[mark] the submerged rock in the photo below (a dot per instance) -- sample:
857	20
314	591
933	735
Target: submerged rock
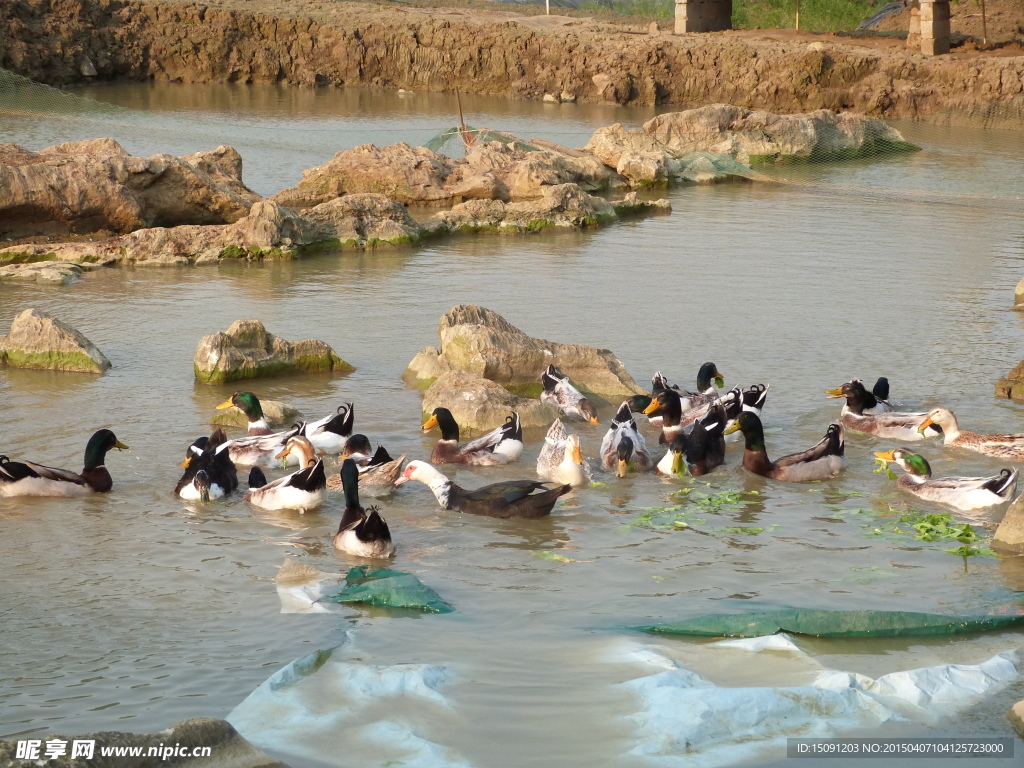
278	415
247	351
96	186
39	340
480	405
750	136
227	748
1012	385
479	341
59	272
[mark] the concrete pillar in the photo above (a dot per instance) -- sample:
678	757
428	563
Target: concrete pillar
914	33
703	15
934	27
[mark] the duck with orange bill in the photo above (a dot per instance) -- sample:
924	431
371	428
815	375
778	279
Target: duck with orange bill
889	425
377	470
209	472
502	445
512	498
623	448
963	493
302	490
560	392
561	458
1002	446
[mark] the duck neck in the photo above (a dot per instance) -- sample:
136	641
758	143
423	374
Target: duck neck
304	452
439	485
258	427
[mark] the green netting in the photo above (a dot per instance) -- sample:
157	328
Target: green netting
389	589
473	135
819	623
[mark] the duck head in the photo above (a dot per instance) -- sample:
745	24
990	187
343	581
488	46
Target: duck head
707	372
911	463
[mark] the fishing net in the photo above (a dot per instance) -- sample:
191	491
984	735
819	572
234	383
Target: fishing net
457	138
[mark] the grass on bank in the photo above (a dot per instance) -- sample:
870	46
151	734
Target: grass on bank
815	15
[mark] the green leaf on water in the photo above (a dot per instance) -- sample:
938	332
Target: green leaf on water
749	530
598	484
547	554
883	466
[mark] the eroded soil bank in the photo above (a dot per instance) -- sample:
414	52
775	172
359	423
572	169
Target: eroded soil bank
312	42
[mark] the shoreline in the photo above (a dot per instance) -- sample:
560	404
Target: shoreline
570	58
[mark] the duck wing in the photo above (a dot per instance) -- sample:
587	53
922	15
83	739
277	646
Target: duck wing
831	444
18	470
553	450
509	491
310	479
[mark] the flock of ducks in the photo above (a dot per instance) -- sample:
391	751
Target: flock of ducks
692	427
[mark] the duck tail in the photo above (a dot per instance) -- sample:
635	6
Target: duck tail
1003	485
256	478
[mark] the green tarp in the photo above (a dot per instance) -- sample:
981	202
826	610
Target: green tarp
390	589
820	623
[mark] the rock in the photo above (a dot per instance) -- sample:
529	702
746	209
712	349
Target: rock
39	340
1010	533
480	405
1018	296
1012	387
550	98
653	28
479	341
568	97
366	220
227	748
95	186
752	136
817	45
1016	718
526	174
643	168
247	351
59	272
631	205
403	173
278	415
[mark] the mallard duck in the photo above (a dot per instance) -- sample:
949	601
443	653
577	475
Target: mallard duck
250	405
301	490
892	426
377	472
823	461
703	446
965	493
209	472
263	449
1006	446
360	533
561	460
503	445
26	478
559	392
623	447
708	381
514	498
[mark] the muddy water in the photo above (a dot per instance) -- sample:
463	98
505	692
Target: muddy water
134	610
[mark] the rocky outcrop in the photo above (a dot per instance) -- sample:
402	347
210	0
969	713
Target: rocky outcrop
1010	533
278	415
314	42
227	748
493	170
58	272
1018	296
365	221
750	137
247	351
479	341
1012	386
39	340
1016	718
480	405
96	186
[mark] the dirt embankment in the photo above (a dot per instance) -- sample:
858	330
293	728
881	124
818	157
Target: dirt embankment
312	42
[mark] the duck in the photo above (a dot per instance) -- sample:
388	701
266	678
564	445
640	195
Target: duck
820	462
249	404
1006	446
209	472
703	447
302	490
666	406
709	379
330	434
561	459
263	449
623	447
891	426
502	445
378	471
360	533
513	498
26	478
559	392
963	493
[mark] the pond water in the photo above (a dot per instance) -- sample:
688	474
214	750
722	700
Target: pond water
134	609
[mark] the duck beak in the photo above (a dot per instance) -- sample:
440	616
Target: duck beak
834	393
402	479
226	404
120	446
651	408
621	468
594	421
677	463
204	495
887	455
284	453
925	424
186	462
719	379
577	454
734	427
430	423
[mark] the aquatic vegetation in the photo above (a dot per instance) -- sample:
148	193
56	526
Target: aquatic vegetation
678	516
932	527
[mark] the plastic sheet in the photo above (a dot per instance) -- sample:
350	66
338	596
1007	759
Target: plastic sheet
390	589
821	623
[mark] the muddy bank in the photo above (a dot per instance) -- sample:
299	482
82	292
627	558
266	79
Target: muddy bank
317	43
